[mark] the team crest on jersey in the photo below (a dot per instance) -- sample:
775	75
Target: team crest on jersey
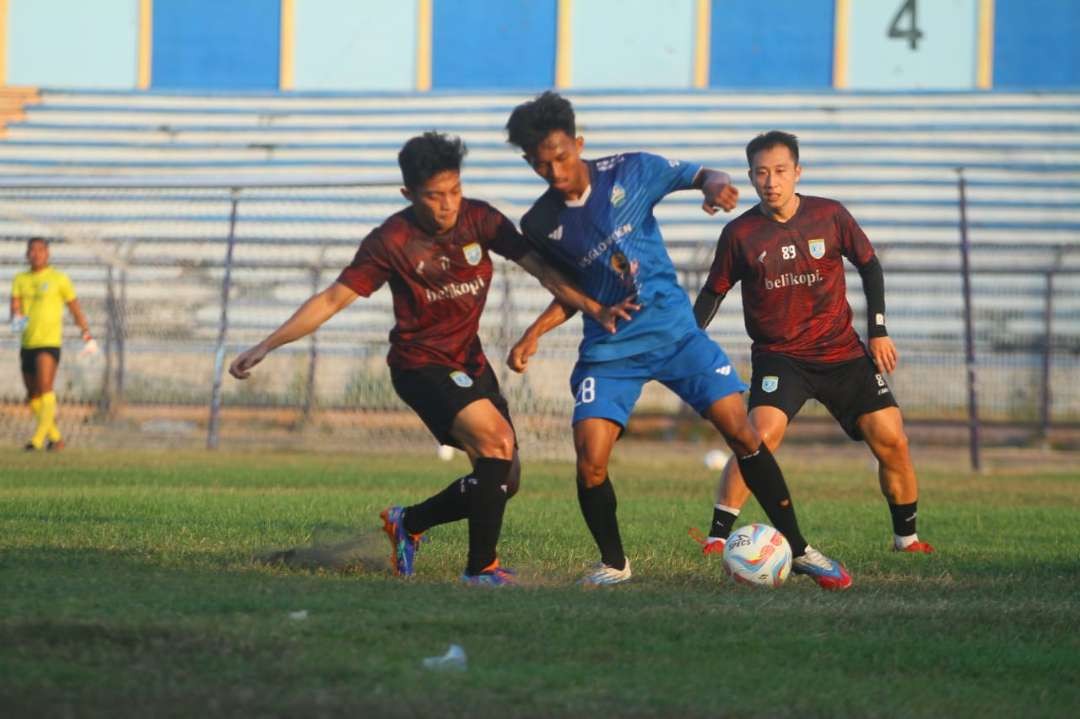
817	248
461	379
770	383
473	253
618	195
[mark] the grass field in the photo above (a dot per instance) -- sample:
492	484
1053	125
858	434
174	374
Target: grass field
127	588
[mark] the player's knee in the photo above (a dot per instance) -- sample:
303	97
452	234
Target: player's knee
892	443
497	444
591	473
743	439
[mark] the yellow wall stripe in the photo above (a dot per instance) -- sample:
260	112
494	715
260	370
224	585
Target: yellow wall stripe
702	38
840	44
564	49
984	73
3	41
423	45
287	59
145	45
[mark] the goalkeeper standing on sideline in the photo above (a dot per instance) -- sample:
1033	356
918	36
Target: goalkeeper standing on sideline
38	297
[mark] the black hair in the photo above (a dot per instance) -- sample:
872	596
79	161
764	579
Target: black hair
37	238
772	138
531	122
425	156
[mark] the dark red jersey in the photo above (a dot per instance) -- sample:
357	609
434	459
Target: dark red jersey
792	273
439	283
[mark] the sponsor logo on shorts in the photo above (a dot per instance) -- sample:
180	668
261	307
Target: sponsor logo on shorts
883	387
817	248
473	253
555	234
461	379
725	370
618	195
769	383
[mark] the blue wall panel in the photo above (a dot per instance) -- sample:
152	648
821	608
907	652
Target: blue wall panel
779	44
207	44
944	57
633	43
493	43
66	44
345	45
1036	44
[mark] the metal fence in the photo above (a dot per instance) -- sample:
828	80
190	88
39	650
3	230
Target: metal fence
170	311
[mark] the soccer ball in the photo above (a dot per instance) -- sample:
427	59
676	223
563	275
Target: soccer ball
758	555
715	459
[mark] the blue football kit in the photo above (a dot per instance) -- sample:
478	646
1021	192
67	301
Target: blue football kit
609	241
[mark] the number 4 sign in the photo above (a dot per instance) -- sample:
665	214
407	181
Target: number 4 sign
910	9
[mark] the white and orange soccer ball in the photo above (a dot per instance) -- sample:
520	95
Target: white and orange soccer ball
759	555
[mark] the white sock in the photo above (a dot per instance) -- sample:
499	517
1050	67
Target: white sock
904	542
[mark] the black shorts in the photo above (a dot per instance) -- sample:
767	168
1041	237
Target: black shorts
437	393
28	358
848	389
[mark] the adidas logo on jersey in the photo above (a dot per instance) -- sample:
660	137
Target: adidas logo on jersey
555	234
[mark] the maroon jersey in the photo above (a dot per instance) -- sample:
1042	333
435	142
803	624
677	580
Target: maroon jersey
439	283
793	289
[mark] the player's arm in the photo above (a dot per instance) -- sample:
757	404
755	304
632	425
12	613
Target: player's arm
718	189
554	315
881	346
706	305
309	317
569	295
80	319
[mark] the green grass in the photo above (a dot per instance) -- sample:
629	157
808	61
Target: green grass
127	588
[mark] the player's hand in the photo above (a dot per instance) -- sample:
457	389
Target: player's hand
89	348
717	196
18	324
884	354
241	366
608	317
520	353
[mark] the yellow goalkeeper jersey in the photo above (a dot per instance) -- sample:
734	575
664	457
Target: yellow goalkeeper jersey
42	296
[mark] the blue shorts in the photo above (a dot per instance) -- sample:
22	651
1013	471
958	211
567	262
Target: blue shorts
695	368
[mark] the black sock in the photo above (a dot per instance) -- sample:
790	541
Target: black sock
722	522
764	478
449	505
903	518
487	502
598	506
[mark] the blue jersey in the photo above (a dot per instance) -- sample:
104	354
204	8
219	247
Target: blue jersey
610	242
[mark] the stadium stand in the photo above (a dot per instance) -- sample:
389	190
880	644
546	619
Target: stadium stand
141	181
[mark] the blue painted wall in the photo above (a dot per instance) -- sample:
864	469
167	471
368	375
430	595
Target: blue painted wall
632	43
778	44
493	43
1037	44
216	44
944	57
346	45
72	44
